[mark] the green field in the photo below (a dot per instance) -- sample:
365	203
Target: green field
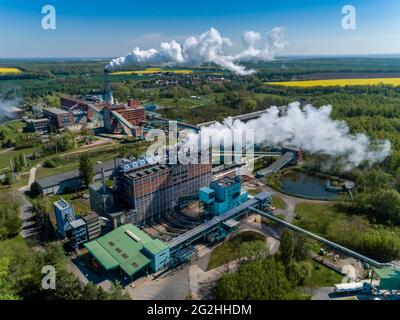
11	127
6	155
278	202
317	217
229	250
81	206
320	276
103	153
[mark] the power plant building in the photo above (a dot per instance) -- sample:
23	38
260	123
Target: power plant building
93	225
38	125
222	195
82	111
151	190
125	118
129	249
59	118
101	198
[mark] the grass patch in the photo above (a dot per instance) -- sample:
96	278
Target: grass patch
11	128
81	206
229	250
317	217
352	231
71	161
278	202
253	192
43	172
5	156
320	276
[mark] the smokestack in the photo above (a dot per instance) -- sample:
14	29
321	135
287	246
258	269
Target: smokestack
108	97
103	179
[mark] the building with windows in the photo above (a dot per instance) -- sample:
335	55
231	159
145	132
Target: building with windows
222	195
68	226
59	118
93	225
152	189
16	113
125	118
38	125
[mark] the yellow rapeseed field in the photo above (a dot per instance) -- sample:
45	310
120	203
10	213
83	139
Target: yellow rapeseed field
9	71
338	82
153	70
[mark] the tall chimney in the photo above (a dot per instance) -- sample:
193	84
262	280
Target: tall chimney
103	179
108	97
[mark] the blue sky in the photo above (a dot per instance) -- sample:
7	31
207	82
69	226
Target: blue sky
99	28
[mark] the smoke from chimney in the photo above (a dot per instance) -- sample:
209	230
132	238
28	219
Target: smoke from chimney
206	48
308	128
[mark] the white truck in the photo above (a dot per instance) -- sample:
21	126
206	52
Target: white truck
352	288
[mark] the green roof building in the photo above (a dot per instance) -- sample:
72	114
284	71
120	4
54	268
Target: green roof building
130	249
389	279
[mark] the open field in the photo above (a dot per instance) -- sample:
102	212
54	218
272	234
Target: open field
317	217
339	82
278	202
9	71
152	71
6	155
320	276
229	250
11	128
347	75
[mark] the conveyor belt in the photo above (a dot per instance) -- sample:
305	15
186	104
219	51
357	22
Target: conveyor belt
277	165
322	240
197	232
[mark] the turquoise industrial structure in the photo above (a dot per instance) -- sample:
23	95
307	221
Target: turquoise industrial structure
222	195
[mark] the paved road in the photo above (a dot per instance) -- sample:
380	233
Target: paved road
32	175
28	223
174	286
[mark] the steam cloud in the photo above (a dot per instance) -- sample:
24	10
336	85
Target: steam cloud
310	129
208	47
5	107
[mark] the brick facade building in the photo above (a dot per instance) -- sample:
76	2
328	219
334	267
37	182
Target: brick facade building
59	118
132	112
155	189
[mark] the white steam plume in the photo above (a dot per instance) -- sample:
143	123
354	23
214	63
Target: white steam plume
310	129
208	47
6	106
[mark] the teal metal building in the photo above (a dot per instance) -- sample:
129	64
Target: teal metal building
223	195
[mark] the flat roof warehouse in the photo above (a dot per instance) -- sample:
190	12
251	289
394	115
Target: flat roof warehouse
126	247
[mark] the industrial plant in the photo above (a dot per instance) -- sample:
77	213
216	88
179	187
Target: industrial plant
155	214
